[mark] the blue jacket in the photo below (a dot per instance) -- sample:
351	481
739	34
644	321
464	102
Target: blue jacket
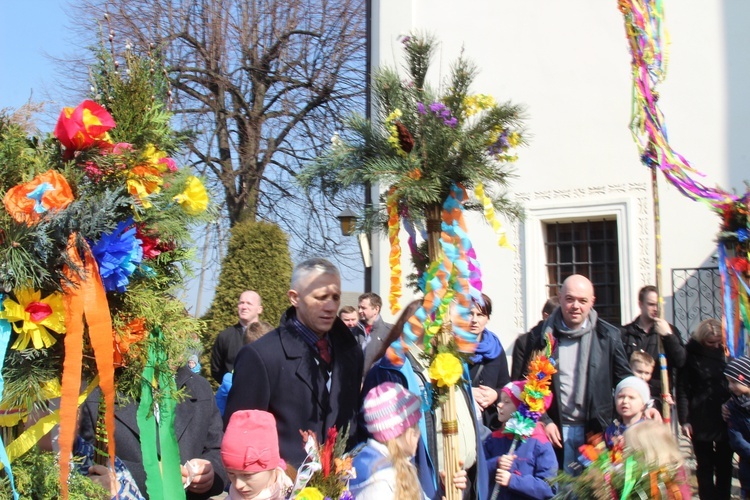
222	393
384	371
535	463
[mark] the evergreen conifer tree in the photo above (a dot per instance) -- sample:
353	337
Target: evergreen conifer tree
257	259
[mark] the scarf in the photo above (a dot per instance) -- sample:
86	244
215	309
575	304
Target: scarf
488	348
555	321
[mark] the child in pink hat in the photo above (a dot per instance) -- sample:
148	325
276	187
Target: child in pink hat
524	474
250	453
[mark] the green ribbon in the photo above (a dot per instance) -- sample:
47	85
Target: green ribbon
629	479
163	481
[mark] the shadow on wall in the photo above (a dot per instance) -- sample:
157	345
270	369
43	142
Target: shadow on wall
736	18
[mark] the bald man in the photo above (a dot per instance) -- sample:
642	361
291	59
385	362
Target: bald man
590	362
229	342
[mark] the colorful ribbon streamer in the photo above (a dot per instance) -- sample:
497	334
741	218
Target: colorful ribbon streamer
31	436
4	341
394	258
84	295
163	480
736	320
644	25
489	214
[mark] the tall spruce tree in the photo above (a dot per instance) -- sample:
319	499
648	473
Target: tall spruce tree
257	259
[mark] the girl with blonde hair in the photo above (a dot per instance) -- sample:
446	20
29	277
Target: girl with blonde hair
655	441
384	466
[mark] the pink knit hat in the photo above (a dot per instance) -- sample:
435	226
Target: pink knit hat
250	442
389	410
514	390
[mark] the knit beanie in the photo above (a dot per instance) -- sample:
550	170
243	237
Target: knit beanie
250	442
514	390
636	383
739	369
389	410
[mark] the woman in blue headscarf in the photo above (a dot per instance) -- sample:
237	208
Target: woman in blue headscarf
488	366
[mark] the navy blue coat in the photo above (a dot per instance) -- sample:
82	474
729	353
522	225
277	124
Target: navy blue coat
535	463
278	373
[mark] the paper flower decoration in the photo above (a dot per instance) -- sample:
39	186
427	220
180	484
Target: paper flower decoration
48	191
159	159
84	126
133	332
194	199
31	317
310	494
144	180
118	254
445	369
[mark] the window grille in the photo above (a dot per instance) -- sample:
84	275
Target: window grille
589	248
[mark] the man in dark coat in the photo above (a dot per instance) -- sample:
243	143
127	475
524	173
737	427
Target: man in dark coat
590	361
229	342
307	372
371	331
643	335
521	351
198	428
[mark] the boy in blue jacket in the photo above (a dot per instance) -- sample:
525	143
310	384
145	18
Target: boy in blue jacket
524	474
737	372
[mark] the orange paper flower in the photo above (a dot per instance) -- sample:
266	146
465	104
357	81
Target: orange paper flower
48	191
84	126
144	180
133	332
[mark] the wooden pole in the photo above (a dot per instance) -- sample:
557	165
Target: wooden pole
449	417
663	368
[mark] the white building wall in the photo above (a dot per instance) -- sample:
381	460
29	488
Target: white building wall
568	63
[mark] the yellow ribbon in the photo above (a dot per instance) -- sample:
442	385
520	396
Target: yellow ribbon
31	436
489	214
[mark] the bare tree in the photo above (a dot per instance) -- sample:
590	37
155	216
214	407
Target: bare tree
263	85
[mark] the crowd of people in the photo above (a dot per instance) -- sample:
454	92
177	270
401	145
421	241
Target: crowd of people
325	367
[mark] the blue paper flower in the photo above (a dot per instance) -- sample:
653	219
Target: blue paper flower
118	255
742	235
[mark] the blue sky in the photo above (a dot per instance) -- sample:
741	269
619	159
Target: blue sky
29	31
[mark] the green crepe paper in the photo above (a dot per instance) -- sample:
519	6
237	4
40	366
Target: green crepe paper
161	482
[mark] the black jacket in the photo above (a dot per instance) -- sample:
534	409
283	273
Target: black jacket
197	424
634	339
701	390
522	352
607	366
226	346
278	373
491	373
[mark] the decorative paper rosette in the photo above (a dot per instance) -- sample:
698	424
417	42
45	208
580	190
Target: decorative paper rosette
32	316
446	369
118	254
48	191
194	199
83	126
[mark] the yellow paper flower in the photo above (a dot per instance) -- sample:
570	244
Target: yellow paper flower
35	315
309	493
144	180
194	199
446	369
478	102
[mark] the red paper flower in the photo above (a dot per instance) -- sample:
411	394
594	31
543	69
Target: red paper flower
84	126
48	191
